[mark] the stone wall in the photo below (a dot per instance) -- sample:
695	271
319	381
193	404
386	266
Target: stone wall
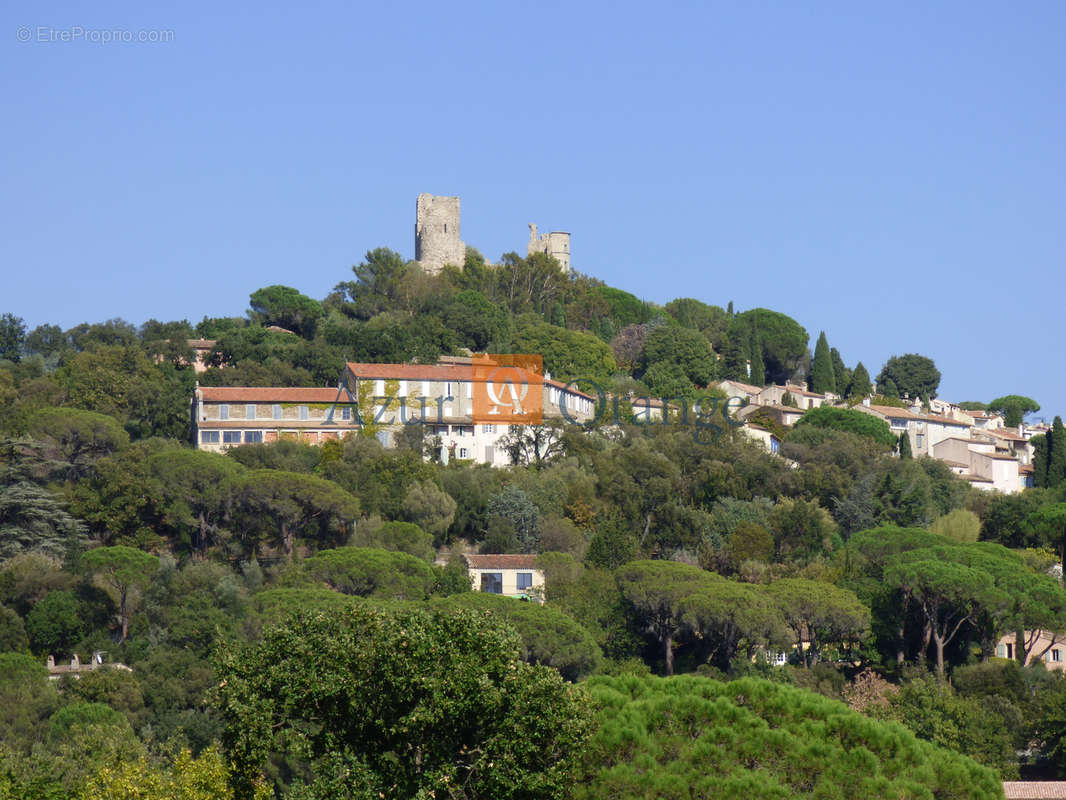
437	239
555	244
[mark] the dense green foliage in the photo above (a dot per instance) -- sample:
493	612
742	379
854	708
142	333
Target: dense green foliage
844	419
823	374
666	548
1013	407
404	704
690	737
912	375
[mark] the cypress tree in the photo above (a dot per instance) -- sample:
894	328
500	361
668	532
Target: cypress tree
840	371
1056	456
860	382
1040	459
905	446
822	377
758	367
736	358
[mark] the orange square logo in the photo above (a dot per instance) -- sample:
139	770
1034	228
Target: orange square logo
508	388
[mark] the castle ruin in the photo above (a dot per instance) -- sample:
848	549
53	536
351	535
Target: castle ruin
437	239
555	244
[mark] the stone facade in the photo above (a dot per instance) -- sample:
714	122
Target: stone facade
441	396
437	239
555	244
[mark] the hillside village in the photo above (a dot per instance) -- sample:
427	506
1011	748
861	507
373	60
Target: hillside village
660	491
975	444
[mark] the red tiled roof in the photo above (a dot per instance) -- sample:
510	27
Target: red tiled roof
434	372
747	387
789	409
412	372
1034	790
505	561
903	413
201	344
997	456
274	394
1025	469
1004	433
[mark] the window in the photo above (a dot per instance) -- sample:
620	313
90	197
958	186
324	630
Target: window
249	412
304	412
209	437
488	429
492	582
1056	655
920	438
231	437
253	437
384	438
223	412
276	411
525	581
897	424
346	413
464	453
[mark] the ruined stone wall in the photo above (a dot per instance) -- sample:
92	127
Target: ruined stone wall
555	244
437	239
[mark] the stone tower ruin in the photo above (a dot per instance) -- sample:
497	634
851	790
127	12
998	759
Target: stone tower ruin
437	239
556	244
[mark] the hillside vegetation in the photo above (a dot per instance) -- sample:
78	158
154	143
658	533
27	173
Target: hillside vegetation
258	594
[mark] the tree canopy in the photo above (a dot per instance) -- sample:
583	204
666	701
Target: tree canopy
1013	407
913	375
844	419
400	704
690	737
783	340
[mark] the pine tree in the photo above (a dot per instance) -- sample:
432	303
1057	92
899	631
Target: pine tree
822	377
840	371
905	446
860	382
758	366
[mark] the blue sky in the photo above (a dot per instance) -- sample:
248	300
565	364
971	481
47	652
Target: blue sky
893	175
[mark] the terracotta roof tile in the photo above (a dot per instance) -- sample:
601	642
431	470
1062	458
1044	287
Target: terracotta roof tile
746	387
275	394
501	561
1034	790
904	413
433	372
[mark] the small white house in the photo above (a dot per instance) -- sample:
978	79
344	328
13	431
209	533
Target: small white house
513	575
